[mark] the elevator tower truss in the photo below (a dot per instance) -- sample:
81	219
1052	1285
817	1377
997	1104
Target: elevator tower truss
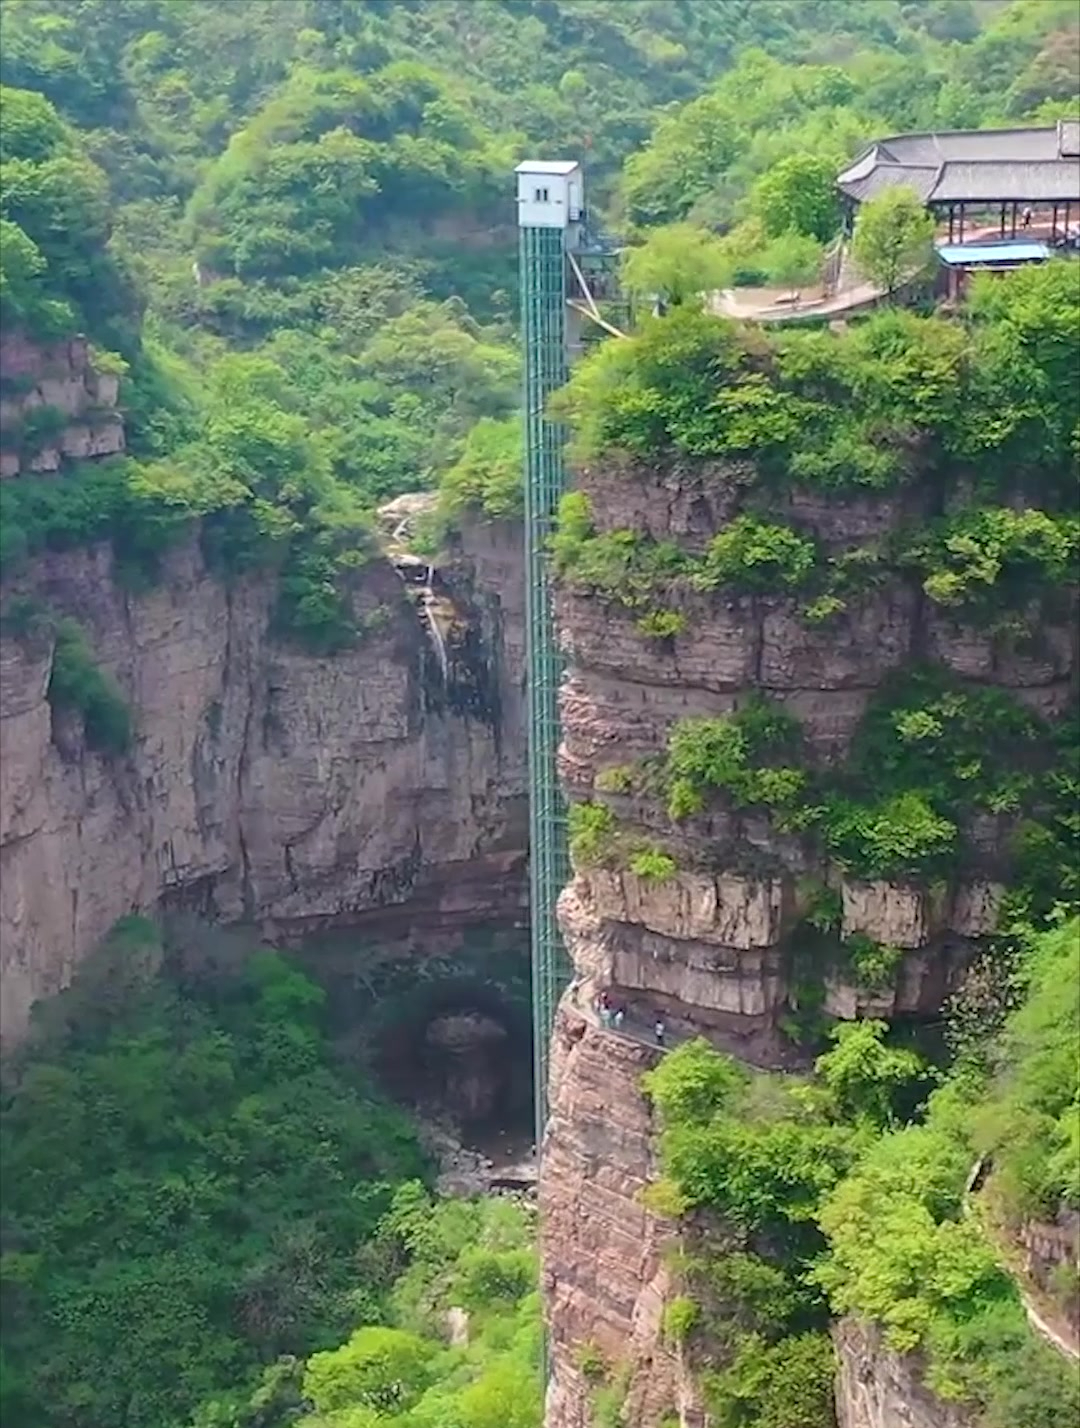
563	270
549	217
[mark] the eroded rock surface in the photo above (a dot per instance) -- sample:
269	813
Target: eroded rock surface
605	1277
717	947
876	1388
54	405
262	783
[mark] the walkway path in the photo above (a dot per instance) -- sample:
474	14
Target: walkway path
1066	1347
726	304
634	1028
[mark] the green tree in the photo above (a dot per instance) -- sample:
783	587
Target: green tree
679	263
864	1075
378	1368
798	195
792	260
893	239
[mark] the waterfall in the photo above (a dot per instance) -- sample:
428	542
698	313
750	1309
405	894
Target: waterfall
427	605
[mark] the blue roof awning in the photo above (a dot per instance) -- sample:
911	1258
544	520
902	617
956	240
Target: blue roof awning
972	255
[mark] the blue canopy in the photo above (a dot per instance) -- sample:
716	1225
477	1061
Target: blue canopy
971	255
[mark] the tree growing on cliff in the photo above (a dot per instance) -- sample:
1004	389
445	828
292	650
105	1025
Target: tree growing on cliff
894	238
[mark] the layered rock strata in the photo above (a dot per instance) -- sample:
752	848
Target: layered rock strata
262	783
54	406
717	946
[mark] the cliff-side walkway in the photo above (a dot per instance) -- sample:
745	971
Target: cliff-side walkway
642	1031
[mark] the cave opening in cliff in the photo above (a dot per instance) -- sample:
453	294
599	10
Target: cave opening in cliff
461	1053
442	1015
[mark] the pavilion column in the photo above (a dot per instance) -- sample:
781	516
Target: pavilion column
952	217
1013	233
1003	220
1053	225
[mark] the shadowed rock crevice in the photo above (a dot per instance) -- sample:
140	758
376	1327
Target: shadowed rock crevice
460	1051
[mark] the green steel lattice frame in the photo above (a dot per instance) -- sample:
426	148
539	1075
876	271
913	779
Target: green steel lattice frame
543	303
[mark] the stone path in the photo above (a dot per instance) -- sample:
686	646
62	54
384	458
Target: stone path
634	1028
1064	1346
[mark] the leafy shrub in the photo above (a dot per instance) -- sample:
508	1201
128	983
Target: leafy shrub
866	408
591	1362
77	683
378	1368
680	1316
653	865
750	554
312	603
784	1385
865	1076
487	1276
40	426
1031	1119
961	748
872	964
730	755
592	827
622	564
662	624
996	555
901	837
488	474
823	608
617	779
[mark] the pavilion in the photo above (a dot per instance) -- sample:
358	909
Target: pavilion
988	178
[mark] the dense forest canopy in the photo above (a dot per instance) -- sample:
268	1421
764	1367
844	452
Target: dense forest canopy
326	188
196	1187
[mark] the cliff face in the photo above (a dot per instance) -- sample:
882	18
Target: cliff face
54	405
878	1389
716	946
262	783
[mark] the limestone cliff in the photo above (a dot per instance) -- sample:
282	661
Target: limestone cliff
879	1389
262	783
716	945
54	405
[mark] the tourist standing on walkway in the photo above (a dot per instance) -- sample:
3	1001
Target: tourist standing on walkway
619	1018
660	1031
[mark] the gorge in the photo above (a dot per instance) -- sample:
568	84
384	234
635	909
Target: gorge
812	1148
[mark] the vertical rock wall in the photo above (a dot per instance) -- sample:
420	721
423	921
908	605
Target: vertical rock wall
715	946
878	1389
262	783
54	405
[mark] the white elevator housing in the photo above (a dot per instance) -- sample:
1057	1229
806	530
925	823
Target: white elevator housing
550	193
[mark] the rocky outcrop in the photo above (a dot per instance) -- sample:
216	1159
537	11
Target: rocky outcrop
1051	1262
54	405
718	946
876	1388
605	1275
262	783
